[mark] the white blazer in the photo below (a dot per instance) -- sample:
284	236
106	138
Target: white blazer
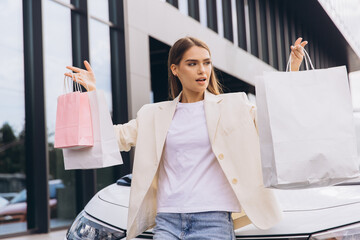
231	122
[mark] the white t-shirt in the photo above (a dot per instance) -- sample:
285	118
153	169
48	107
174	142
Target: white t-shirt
190	177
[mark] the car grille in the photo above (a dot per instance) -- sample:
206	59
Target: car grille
149	235
297	237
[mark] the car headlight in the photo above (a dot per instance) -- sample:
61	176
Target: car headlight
351	232
89	228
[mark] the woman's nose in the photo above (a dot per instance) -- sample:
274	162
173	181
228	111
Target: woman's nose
201	68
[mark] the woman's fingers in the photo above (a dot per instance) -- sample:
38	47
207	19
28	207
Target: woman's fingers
297	51
82	83
298	44
88	67
70	75
294	56
77	78
85	77
298	41
73	76
297	54
75	69
303	44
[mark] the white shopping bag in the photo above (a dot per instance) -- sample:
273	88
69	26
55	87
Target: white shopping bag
306	128
105	152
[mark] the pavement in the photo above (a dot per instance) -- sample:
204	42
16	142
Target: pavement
55	235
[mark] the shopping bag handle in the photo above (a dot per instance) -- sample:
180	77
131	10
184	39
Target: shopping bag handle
68	87
77	85
306	58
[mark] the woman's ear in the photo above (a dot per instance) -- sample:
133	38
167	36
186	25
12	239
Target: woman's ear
173	69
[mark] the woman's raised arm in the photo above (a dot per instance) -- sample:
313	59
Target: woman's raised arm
126	134
85	77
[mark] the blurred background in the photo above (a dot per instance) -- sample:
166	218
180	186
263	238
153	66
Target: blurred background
127	43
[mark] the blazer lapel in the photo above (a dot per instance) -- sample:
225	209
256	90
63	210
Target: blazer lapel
212	113
163	118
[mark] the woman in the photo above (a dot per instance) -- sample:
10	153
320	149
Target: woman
197	161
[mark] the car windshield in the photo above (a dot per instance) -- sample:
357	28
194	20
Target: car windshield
20	197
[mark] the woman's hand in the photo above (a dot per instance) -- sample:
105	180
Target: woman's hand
297	54
85	77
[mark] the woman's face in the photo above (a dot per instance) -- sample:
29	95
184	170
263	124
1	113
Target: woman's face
194	70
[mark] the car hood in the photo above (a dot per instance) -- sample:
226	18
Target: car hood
290	200
110	205
318	198
304	211
308	211
116	194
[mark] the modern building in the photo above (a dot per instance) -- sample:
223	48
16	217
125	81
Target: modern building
127	42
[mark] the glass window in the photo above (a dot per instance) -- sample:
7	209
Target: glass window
227	17
193	8
99	9
241	24
57	55
100	57
253	28
100	61
264	32
282	53
273	33
12	119
211	13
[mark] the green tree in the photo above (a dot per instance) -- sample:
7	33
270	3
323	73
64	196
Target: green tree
12	150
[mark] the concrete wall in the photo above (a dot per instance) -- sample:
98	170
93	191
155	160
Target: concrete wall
160	20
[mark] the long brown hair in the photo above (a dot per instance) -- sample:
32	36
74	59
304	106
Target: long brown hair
176	53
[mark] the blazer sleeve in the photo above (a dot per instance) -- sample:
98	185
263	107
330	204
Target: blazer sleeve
126	134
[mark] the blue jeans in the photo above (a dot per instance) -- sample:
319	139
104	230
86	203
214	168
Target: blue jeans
194	226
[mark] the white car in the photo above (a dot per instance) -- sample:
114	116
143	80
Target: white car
3	202
314	214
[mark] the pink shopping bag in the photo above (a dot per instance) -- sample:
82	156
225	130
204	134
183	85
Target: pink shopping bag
73	121
105	152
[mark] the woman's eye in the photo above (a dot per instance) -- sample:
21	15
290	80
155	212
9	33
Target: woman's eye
193	64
